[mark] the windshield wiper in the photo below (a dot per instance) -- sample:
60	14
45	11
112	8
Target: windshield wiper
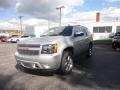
43	35
54	35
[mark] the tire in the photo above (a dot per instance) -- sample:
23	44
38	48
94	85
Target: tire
67	63
114	45
90	51
21	68
17	40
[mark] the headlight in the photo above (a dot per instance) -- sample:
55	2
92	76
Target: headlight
49	49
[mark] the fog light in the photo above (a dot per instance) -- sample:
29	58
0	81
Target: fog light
36	66
46	66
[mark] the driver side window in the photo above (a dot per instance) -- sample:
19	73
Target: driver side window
78	31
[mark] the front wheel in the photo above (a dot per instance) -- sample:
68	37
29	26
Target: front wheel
17	40
114	45
67	63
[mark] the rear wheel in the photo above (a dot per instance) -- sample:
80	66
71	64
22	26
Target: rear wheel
90	50
67	63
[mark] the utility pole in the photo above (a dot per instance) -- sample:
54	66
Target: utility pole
20	17
48	23
60	8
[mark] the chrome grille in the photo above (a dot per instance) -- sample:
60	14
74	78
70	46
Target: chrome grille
28	52
28	49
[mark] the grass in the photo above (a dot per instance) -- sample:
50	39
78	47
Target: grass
103	42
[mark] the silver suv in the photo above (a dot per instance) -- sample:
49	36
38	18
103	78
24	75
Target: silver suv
55	49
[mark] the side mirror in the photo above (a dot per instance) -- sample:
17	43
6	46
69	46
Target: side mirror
78	34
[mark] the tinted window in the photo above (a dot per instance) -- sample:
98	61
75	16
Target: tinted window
24	36
117	34
67	31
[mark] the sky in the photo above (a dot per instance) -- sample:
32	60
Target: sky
40	11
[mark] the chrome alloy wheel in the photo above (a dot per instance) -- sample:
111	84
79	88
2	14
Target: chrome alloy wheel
68	63
90	51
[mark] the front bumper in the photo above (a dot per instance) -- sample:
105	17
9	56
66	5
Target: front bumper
46	62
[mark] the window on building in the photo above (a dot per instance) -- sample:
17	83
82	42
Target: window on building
105	29
101	29
118	29
109	29
95	30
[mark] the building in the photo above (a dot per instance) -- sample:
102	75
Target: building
10	29
31	30
102	30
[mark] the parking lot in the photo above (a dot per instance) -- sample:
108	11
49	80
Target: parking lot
101	72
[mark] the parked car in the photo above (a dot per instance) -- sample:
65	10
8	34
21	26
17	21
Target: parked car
55	49
116	40
10	37
3	39
15	39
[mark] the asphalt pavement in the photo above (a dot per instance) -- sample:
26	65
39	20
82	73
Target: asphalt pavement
100	72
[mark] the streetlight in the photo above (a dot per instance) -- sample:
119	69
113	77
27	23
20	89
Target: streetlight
60	8
48	23
20	17
117	19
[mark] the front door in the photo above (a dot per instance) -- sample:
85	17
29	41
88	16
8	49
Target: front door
78	42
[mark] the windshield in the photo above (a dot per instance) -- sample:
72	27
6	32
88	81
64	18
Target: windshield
117	34
63	31
24	36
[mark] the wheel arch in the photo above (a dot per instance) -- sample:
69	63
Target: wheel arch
91	44
70	49
67	49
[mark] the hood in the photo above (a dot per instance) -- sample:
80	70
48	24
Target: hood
116	37
41	40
